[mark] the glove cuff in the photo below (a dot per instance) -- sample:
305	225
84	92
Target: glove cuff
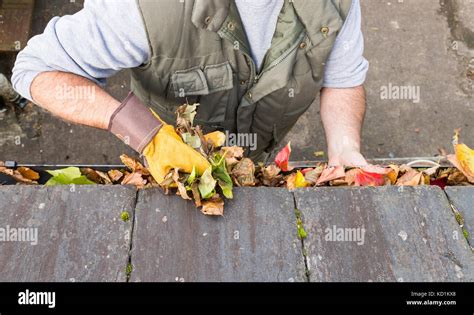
134	123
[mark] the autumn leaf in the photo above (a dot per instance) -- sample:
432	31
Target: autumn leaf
296	180
456	178
28	173
181	188
17	176
370	175
331	173
271	175
393	174
115	175
207	184
96	176
219	172
283	158
319	153
214	206
134	179
192	177
68	176
312	175
217	138
196	194
243	173
192	140
463	159
410	178
364	178
232	155
134	165
441	182
185	115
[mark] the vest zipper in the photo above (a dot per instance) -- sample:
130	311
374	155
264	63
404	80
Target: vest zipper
281	58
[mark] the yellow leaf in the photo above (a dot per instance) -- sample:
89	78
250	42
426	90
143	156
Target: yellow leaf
393	174
300	181
296	180
463	159
217	138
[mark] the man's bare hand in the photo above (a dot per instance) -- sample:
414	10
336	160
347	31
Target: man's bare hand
342	113
348	158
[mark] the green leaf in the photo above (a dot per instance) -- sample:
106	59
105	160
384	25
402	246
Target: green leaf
219	171
192	141
226	189
68	176
207	184
192	177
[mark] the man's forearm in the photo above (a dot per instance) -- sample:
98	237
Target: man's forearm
73	98
342	113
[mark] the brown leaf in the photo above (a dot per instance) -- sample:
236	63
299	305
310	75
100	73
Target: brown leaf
213	206
134	179
271	175
196	194
232	155
331	173
115	175
243	173
313	175
456	178
97	177
28	173
17	176
351	176
134	165
410	178
181	188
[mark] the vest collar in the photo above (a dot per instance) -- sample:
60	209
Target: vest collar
210	14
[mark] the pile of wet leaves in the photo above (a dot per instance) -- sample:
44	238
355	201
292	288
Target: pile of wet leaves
230	168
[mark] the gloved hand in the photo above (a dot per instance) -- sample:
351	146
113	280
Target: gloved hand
162	147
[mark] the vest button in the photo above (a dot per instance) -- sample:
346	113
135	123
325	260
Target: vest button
208	20
249	95
231	26
243	82
325	30
303	45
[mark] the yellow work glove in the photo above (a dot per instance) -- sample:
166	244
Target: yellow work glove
167	151
146	133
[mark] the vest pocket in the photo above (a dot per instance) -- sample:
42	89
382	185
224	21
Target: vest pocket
189	82
210	86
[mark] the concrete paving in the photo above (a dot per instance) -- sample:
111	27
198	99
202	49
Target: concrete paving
462	199
65	234
425	44
383	234
256	240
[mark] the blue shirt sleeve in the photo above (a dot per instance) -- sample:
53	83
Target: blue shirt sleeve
76	44
346	66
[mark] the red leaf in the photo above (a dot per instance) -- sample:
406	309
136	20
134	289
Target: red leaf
364	178
283	157
442	182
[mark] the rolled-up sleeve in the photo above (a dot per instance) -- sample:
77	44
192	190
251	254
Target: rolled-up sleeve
346	66
97	42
